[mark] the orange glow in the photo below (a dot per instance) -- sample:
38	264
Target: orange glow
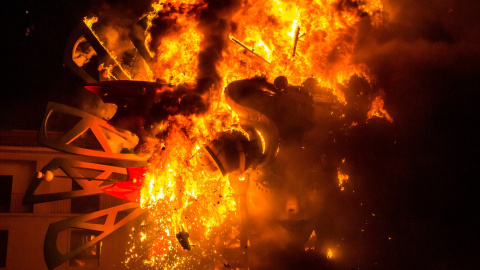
90	21
342	178
177	58
107	71
329	254
182	197
377	110
296	39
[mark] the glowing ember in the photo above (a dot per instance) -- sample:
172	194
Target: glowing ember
378	110
342	178
184	198
329	254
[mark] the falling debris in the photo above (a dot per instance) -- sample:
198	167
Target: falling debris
182	238
252	50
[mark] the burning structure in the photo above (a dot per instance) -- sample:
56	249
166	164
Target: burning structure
409	194
223	119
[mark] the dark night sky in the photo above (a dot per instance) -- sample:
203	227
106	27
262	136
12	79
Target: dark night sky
424	188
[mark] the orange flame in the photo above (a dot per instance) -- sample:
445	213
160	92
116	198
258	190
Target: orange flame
377	110
107	71
296	39
329	254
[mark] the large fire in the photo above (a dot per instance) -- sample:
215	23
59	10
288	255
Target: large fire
190	207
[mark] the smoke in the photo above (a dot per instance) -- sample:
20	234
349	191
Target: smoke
414	173
165	23
181	101
116	20
215	22
408	178
268	257
412	193
213	18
